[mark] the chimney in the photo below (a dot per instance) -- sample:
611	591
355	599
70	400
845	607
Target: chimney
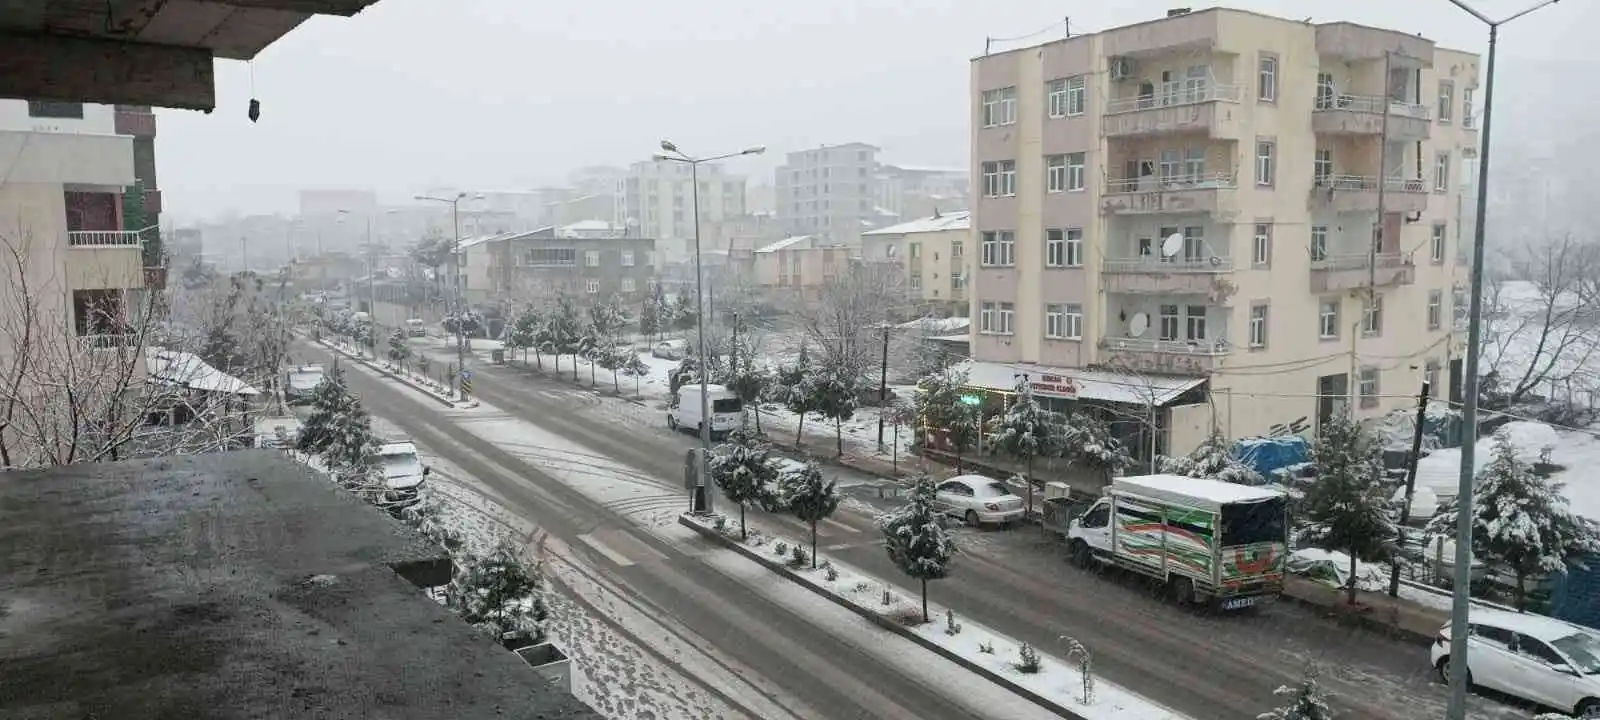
1177	11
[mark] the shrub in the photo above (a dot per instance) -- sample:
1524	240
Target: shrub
780	548
986	647
799	557
1028	659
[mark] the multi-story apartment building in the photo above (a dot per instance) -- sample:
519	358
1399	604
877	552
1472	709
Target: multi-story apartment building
655	200
539	265
1185	214
829	191
931	257
915	192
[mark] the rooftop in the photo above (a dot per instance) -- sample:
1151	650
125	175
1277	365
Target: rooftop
233	585
957	220
784	244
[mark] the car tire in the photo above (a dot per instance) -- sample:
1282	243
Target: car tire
972	518
1443	666
1082	556
672	422
1588	708
1181	589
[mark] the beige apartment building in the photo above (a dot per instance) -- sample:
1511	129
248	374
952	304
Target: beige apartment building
930	256
797	268
1183	214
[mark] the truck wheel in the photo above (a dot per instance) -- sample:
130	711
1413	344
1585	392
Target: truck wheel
1082	556
1182	589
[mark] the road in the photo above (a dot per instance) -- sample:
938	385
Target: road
801	668
1017	582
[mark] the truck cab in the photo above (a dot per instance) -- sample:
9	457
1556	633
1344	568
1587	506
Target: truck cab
403	474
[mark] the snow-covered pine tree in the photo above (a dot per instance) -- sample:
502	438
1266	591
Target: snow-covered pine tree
834	390
501	594
742	469
793	389
1521	522
939	407
1213	460
523	332
630	365
339	431
750	382
810	498
1027	431
564	330
1088	442
916	539
1346	506
398	349
1305	700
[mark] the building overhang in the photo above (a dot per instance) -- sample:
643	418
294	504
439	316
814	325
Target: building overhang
140	52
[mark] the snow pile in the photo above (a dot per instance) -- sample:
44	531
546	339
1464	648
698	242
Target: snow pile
1441	471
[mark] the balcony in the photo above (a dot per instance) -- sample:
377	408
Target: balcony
1337	273
108	341
1178	276
1181	194
1191	358
138	123
1201	110
105	259
105	238
1363	115
1359	193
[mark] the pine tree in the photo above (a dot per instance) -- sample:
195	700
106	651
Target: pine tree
398	349
1212	460
1346	506
1089	443
1521	522
916	538
742	469
834	391
523	332
750	382
793	389
629	364
501	594
1027	431
941	405
565	330
651	313
339	430
1306	700
811	498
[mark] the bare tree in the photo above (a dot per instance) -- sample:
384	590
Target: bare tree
1542	334
848	318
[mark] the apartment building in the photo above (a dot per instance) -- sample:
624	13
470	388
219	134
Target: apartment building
931	256
539	265
1240	221
655	200
796	268
914	192
829	191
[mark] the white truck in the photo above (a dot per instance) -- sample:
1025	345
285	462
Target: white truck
1207	541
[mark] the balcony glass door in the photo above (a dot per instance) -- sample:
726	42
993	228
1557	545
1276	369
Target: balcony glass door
1325	91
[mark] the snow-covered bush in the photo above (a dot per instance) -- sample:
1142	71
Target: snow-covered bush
339	430
834	390
1214	460
1027	431
1027	659
500	594
916	539
1087	441
742	467
1305	700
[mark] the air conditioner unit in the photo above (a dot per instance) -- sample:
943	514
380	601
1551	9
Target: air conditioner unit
1122	68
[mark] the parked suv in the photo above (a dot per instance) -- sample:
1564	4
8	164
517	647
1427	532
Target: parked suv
1533	657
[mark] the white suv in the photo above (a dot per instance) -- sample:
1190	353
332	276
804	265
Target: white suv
1532	657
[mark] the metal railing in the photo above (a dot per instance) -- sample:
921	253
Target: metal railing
108	341
1372	104
1168	347
1226	92
1369	183
1167	265
1358	261
105	238
1202	181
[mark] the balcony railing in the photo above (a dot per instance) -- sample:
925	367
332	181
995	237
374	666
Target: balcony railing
1167	265
1371	104
1168	347
1358	261
1369	183
1202	181
108	341
105	238
1176	98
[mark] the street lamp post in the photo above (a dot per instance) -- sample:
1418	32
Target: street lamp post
671	153
1460	600
460	308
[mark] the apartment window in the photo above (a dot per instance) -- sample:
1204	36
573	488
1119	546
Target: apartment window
1194	164
1258	325
1441	172
1466	108
1169	322
1447	100
627	258
986	317
958	281
1436	246
1075	163
958	250
1067	96
592	286
1004	318
1322	166
1063	247
1435	308
1267	78
1368	386
1328	320
1194	321
1430	375
50	109
998	248
1077	95
1000	178
1055	173
1056	97
999	106
915	249
1063	321
591	258
627	285
1319	243
916	282
1266	165
1372	315
551	257
1261	246
1326	95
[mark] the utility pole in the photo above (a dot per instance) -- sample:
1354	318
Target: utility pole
883	385
733	349
1411	480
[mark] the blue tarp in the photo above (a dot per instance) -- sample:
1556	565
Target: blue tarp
1268	454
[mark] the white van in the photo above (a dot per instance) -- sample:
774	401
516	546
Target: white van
403	473
726	410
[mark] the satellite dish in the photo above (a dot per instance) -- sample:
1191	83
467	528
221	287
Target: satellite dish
1172	245
1138	324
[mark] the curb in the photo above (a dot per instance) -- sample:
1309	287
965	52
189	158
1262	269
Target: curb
885	623
386	373
1370	622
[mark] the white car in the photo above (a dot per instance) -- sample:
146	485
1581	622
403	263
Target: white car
978	500
1533	657
670	349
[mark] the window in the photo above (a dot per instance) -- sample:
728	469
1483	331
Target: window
1063	321
1447	100
1436	247
1322	166
627	285
915	249
916	281
999	106
593	286
1430	375
1067	96
627	258
1075	162
986	317
1372	315
49	109
1435	309
1441	172
1055	173
1328	320
1325	92
1000	178
958	281
1063	248
1493	635
1194	164
551	257
958	250
1538	650
1267	78
1265	166
1261	247
998	248
1466	108
1319	243
1006	317
1368	386
1194	321
1258	325
591	258
1056	95
1169	322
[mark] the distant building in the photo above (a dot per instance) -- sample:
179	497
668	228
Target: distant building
915	192
931	254
329	202
798	267
829	191
655	200
539	265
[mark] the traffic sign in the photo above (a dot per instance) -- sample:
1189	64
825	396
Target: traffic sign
466	374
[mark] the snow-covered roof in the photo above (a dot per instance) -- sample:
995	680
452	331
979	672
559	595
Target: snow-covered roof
957	220
962	338
584	226
784	244
1099	385
938	325
187	370
1203	493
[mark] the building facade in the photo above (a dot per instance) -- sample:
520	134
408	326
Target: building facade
1261	209
538	266
917	192
932	259
829	191
655	200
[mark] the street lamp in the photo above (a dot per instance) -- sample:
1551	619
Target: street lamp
671	153
460	304
1460	600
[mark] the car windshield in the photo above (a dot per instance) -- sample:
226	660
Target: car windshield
400	466
726	405
1584	651
993	489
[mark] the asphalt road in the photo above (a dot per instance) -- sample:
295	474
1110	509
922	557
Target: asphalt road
1017	582
817	676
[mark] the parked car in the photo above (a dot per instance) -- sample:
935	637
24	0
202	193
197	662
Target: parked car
670	349
978	500
302	384
1532	657
415	327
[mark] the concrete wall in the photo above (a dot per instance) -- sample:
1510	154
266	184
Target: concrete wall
97	119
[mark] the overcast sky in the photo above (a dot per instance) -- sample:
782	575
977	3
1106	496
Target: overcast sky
501	94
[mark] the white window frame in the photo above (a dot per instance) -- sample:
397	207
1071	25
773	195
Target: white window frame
1008	318
1169	322
1430	375
1372	316
1063	321
916	281
1260	313
1055	248
1075	170
1441	171
1328	319
1447	101
1319	243
1074	237
1321	166
991	178
1261	245
593	286
1195	324
628	285
1437	242
1077	95
591	258
1266	162
1267	78
1056	97
1367	385
1435	309
1000	107
986	317
997	248
627	258
1008	178
1055	173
